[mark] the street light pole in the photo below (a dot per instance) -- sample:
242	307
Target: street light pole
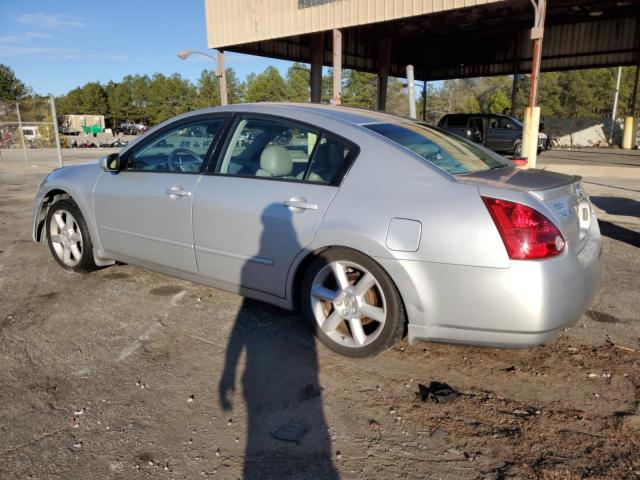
222	78
219	72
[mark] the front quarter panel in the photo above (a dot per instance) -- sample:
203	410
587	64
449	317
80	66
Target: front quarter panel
78	181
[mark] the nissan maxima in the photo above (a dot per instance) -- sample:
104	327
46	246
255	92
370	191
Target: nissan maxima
374	226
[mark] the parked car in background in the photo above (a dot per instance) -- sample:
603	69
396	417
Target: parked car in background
500	133
371	223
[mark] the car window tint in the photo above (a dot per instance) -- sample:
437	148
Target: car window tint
269	148
445	150
180	150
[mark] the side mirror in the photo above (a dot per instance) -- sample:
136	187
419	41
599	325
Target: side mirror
110	163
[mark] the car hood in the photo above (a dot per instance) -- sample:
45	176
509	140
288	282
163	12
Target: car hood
518	179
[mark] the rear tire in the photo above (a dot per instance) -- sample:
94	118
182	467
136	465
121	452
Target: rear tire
517	149
68	237
352	303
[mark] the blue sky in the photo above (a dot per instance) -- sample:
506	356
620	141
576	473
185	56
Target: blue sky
57	45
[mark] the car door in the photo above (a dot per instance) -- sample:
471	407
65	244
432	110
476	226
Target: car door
501	134
264	201
495	134
143	212
475	130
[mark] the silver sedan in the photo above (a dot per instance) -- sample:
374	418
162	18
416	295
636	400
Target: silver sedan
375	226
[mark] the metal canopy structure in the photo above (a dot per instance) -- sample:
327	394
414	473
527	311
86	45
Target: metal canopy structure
463	39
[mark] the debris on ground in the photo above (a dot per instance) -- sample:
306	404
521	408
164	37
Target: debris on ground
311	391
436	392
290	432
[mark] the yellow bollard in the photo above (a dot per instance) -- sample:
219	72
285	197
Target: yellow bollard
530	135
629	133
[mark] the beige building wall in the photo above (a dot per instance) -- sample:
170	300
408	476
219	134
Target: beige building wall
234	22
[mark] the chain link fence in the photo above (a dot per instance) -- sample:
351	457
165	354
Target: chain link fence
29	125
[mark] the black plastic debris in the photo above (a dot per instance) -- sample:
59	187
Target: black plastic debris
310	391
290	432
436	392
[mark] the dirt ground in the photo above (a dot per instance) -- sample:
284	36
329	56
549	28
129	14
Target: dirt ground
126	373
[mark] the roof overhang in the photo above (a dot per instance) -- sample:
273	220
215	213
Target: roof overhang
457	40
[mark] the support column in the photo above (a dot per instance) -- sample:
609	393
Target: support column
532	112
384	58
222	78
411	92
630	123
337	66
317	57
516	73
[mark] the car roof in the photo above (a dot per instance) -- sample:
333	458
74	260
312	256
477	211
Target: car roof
351	115
476	115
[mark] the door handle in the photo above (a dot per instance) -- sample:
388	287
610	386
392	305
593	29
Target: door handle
298	203
177	192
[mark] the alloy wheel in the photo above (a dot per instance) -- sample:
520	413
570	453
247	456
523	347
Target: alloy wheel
348	304
66	237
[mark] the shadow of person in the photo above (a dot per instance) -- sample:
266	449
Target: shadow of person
287	436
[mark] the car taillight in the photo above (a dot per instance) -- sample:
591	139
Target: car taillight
526	233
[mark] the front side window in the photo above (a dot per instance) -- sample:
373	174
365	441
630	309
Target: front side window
180	150
444	150
501	123
279	149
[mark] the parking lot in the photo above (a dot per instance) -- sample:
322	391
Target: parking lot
126	373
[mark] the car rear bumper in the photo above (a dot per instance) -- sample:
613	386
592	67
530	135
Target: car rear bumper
523	305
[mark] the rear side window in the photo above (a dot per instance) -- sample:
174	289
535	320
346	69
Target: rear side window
444	150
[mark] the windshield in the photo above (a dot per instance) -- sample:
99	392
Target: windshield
443	149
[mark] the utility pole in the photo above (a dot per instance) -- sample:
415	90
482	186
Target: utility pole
24	145
411	92
614	110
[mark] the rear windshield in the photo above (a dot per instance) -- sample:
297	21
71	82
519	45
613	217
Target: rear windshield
443	149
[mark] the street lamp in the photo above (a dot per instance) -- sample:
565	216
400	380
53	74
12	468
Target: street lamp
220	73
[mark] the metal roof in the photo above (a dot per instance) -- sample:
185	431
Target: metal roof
441	38
234	22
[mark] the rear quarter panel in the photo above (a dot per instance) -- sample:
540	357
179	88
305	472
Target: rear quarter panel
386	182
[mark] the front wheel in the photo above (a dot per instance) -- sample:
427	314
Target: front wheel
68	237
352	303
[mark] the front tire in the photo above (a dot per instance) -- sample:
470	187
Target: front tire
352	303
68	237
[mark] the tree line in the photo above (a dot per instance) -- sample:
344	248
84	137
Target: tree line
151	99
574	94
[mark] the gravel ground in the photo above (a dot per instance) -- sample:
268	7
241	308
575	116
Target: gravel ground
126	373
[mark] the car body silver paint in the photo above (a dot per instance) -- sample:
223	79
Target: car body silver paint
458	286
